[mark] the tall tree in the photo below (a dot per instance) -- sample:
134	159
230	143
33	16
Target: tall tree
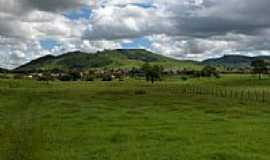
209	71
259	67
152	73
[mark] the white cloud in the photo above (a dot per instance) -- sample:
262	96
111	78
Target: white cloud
185	29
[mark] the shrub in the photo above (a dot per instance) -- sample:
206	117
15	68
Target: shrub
107	77
65	77
184	78
140	92
152	73
89	78
75	75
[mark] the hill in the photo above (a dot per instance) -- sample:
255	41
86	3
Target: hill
2	70
234	61
120	58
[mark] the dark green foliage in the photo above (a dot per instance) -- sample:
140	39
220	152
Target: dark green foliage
140	92
65	77
184	78
136	72
75	74
259	67
2	70
36	65
83	61
142	55
72	75
152	73
57	71
107	77
90	75
233	61
209	71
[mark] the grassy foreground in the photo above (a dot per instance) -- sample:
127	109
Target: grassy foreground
131	120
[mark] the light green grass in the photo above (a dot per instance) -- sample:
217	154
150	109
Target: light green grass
118	121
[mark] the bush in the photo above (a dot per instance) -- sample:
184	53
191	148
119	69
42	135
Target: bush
65	77
89	78
184	78
152	73
107	77
75	75
70	76
140	92
207	71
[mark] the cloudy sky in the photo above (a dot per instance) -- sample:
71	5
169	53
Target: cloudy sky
184	29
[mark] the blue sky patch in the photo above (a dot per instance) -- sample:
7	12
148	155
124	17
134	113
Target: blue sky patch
141	42
84	12
48	44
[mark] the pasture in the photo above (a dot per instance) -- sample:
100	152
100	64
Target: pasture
133	120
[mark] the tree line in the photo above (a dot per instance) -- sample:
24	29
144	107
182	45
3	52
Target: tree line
151	73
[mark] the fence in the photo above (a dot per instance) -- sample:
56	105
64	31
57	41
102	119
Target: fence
257	95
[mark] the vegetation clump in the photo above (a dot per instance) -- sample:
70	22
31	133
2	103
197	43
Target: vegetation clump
140	92
260	67
152	72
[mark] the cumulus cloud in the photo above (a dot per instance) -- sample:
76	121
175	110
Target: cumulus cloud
117	22
185	29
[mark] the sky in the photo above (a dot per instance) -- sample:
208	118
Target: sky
183	29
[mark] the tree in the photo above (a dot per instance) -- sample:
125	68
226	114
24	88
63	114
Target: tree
90	75
65	77
209	71
259	67
72	75
152	73
75	75
107	77
147	69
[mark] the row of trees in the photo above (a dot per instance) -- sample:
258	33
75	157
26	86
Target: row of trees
154	73
151	73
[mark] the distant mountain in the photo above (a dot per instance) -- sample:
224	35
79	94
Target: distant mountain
120	58
2	70
234	61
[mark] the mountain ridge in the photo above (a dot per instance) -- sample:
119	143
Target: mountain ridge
119	58
129	58
234	61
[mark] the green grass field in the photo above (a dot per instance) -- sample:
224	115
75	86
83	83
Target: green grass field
132	120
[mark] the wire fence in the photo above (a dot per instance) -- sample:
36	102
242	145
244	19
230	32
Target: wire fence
255	95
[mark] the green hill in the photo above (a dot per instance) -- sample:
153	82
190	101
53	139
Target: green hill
120	58
2	70
234	61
